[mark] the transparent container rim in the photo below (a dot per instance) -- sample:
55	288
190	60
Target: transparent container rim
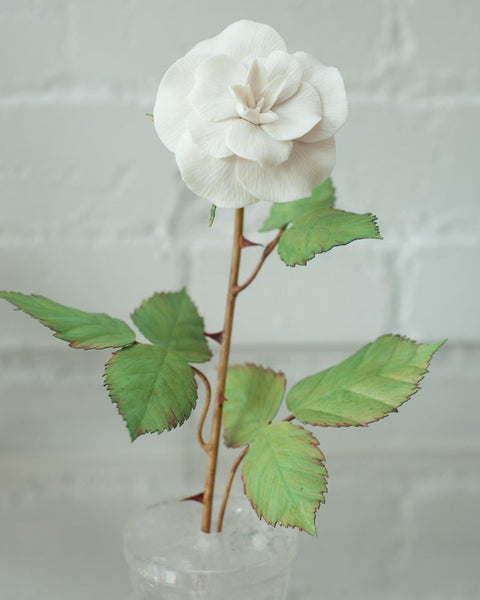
289	531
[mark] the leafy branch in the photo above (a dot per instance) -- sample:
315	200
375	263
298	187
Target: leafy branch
154	386
284	478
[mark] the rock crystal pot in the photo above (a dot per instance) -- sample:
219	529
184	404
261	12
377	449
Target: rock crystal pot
169	558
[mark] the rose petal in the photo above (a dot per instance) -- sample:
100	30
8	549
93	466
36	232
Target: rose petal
171	105
256	78
272	90
283	65
240	94
297	115
307	167
242	39
211	178
210	136
211	97
251	142
330	87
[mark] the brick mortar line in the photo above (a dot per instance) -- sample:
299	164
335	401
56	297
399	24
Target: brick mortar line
98	98
456	238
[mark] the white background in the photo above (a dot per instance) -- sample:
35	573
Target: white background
94	214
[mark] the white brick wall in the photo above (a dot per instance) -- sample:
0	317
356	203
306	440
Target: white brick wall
94	214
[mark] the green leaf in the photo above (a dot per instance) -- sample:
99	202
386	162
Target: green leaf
320	230
315	226
365	387
81	329
213	210
171	321
283	213
285	477
254	395
150	116
154	389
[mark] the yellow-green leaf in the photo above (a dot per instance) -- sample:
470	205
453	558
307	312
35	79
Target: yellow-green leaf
81	329
254	395
365	387
285	477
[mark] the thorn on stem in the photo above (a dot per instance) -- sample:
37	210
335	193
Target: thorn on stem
217	337
222	399
247	243
196	498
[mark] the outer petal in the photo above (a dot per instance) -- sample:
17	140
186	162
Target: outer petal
251	142
286	66
307	167
330	87
242	39
211	178
210	136
297	115
171	105
211	97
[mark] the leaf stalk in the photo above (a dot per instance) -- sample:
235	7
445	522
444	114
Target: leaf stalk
228	487
269	248
206	406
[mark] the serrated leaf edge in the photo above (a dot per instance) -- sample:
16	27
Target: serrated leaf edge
394	409
321	500
57	334
115	401
318	249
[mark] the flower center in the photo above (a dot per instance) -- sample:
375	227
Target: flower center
251	103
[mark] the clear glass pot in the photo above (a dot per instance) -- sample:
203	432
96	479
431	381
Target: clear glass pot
169	557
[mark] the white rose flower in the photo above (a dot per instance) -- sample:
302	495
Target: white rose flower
248	121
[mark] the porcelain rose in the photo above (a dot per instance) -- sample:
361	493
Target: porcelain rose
248	121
